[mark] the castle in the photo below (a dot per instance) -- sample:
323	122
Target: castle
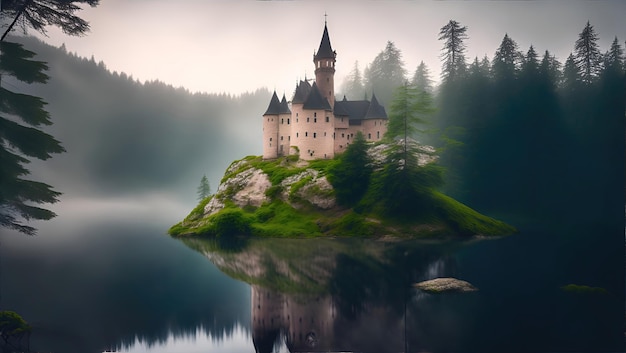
316	126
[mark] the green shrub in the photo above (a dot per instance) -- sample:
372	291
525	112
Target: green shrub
230	221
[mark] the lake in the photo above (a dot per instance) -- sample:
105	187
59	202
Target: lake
105	276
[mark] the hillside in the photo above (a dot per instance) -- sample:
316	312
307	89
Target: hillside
123	136
287	197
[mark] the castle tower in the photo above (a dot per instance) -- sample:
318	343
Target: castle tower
270	128
284	128
324	61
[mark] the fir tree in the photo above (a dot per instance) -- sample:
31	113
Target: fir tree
453	56
20	139
204	189
350	177
385	73
38	14
587	54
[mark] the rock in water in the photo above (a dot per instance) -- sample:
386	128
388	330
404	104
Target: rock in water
445	285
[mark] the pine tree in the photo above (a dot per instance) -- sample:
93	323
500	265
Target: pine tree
350	177
506	60
204	189
352	86
38	14
453	56
587	54
421	78
385	73
20	139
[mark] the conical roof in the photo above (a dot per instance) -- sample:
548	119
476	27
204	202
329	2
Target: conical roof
274	107
302	91
375	110
315	100
325	50
284	106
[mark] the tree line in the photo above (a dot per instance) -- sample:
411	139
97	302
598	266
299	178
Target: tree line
520	132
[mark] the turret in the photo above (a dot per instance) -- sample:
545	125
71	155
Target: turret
324	61
270	128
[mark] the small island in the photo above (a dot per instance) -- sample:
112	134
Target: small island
368	191
338	168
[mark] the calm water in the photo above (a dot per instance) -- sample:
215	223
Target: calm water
107	277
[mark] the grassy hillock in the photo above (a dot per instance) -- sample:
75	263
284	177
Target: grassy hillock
289	212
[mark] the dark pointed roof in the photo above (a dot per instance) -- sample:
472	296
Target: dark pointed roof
302	91
325	50
315	100
360	110
274	107
284	106
375	110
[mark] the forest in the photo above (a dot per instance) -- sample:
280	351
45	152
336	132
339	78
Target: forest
520	133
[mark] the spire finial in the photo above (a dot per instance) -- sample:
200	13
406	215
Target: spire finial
325	17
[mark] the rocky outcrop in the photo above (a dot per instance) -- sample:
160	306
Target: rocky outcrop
445	285
245	185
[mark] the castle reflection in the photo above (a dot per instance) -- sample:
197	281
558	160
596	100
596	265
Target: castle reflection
330	296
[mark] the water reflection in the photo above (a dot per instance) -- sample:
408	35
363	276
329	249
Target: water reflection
320	295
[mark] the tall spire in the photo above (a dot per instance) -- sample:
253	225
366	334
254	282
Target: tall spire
325	50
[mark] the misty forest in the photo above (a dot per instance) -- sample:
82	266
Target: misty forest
520	135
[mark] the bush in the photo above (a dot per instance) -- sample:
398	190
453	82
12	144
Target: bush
230	221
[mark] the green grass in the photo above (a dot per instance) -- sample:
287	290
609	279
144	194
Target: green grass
467	221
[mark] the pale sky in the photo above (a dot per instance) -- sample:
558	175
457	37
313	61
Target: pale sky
237	46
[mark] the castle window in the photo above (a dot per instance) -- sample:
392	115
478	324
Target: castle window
314	120
307	119
343	135
281	138
333	135
268	119
329	93
348	137
270	139
340	146
297	134
314	134
288	121
369	136
282	121
289	138
306	134
327	119
297	120
296	114
314	114
327	79
377	134
342	120
324	133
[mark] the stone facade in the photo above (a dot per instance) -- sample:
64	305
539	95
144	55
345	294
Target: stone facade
315	125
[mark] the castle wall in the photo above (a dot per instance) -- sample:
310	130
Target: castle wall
270	136
373	129
313	134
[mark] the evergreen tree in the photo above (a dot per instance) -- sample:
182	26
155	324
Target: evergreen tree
385	73
22	114
587	54
421	78
352	86
37	14
20	139
506	60
350	177
204	189
571	77
453	56
410	107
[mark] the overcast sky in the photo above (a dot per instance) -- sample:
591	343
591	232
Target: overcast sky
238	46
